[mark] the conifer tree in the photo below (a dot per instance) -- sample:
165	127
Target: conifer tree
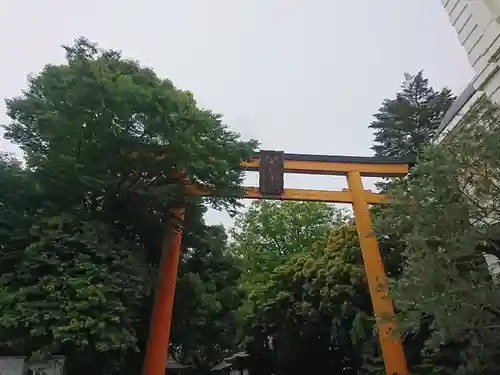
405	124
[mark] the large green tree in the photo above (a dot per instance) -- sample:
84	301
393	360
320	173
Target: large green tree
403	125
446	212
271	231
75	288
19	201
104	139
206	325
314	312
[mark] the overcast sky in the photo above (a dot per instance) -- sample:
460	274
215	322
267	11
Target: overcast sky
300	76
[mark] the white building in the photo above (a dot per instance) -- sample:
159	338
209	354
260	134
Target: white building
477	23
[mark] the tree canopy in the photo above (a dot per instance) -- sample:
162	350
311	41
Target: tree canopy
206	323
404	125
104	140
270	232
446	213
307	301
315	312
83	215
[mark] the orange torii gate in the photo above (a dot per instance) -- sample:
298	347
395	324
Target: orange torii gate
272	165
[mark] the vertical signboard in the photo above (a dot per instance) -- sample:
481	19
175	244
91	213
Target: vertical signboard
271	173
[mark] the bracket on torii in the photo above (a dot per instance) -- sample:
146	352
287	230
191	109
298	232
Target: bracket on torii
272	166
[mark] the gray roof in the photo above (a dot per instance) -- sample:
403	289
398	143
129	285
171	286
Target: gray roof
457	105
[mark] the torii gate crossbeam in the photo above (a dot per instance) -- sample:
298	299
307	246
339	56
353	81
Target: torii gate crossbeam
272	165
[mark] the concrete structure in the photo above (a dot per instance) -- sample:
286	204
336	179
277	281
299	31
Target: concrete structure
12	365
477	23
20	366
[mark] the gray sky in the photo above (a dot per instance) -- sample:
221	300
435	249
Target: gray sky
300	76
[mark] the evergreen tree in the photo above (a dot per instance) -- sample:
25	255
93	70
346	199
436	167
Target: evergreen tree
404	124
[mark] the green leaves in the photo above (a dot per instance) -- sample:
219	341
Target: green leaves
81	226
445	212
407	123
272	231
307	296
316	304
207	299
74	286
105	117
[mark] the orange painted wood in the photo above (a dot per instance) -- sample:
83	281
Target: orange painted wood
344	196
161	320
316	195
336	169
390	341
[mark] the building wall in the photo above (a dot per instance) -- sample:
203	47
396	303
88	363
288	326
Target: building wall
477	28
477	24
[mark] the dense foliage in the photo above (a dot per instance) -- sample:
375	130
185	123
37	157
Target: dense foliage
206	323
82	222
409	122
270	232
308	303
315	311
446	213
